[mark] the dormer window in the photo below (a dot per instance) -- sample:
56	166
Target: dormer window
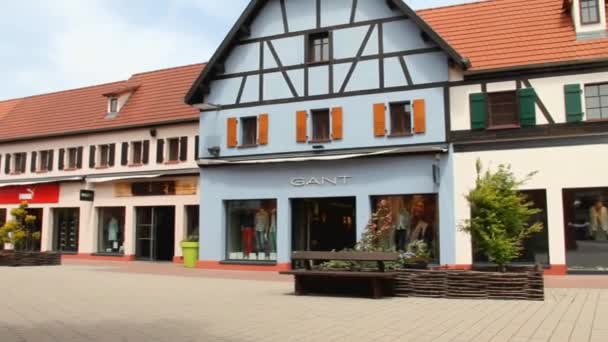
113	105
590	12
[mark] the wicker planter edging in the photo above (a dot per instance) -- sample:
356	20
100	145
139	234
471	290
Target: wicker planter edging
527	285
16	258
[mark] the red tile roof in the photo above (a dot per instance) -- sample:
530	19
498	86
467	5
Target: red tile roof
500	34
159	98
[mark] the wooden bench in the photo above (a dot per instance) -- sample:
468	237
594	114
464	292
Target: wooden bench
376	279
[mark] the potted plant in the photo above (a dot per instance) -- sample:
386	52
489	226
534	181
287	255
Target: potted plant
500	215
190	251
19	232
417	255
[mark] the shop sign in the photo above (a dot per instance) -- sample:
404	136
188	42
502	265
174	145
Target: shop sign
304	181
159	188
87	195
36	193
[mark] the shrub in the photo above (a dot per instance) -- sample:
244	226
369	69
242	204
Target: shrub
20	231
500	214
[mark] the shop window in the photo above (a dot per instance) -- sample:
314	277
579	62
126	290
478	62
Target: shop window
535	250
318	47
503	109
111	230
401	118
192	217
414	218
2	217
65	229
586	229
249	131
590	13
320	125
19	160
596	101
251	230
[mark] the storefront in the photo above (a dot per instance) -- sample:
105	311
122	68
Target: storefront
253	216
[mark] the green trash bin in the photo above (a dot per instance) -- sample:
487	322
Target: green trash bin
190	253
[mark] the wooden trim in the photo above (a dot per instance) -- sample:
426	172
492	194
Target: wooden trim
359	54
335	61
318	13
540	103
241	89
284	16
406	71
294	93
261	73
353	12
381	53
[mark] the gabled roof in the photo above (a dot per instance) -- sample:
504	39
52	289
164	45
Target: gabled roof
158	99
196	93
511	34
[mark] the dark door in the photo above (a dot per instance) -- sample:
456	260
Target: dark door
155	233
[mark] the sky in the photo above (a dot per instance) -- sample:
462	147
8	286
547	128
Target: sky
54	45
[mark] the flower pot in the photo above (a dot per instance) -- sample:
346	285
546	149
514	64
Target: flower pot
190	253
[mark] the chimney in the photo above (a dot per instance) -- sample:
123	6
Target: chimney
589	18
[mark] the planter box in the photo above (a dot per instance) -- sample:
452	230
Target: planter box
17	258
523	285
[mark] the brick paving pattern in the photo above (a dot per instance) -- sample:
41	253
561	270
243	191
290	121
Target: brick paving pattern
152	302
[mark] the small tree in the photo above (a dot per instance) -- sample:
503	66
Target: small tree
500	214
20	231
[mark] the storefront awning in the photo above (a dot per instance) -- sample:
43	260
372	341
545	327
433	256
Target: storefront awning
327	155
41	181
117	178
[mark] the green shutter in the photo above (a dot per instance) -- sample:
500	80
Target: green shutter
574	105
479	110
527	107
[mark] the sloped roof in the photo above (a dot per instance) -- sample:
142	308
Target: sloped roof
196	93
157	99
507	34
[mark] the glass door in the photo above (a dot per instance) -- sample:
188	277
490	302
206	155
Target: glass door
144	231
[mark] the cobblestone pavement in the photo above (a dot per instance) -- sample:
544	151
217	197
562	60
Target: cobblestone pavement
80	302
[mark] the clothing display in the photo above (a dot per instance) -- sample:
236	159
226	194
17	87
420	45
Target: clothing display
272	234
420	232
402	229
247	240
67	230
598	219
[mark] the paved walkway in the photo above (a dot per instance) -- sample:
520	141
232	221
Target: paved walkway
98	302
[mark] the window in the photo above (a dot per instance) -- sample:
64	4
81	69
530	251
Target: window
596	101
414	219
111	229
590	12
318	47
320	125
251	230
192	218
401	118
104	155
19	160
173	150
72	158
249	131
137	148
113	105
44	161
503	109
65	229
2	219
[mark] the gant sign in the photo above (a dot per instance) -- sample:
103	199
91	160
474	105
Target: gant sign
310	181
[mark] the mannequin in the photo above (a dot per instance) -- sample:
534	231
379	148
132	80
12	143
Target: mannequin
262	221
113	233
272	232
402	228
598	218
246	234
